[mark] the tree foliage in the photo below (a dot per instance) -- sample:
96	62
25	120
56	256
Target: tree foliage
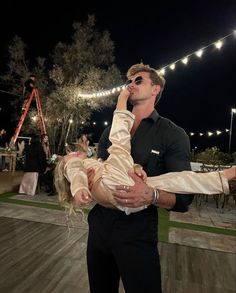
213	156
85	65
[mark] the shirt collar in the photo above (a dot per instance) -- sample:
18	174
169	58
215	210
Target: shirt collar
154	116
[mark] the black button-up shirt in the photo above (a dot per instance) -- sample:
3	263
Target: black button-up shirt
160	146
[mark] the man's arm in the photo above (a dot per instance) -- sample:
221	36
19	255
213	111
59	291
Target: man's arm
140	194
177	159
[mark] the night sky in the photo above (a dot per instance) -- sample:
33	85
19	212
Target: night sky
198	97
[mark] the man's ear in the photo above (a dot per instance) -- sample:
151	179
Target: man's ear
156	89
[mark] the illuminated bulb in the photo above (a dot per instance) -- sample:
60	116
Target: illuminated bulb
163	71
210	133
94	123
218	132
70	121
233	110
226	130
185	60
201	134
105	123
191	133
219	44
172	66
199	53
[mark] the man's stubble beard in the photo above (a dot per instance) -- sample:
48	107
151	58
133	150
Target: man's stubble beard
135	100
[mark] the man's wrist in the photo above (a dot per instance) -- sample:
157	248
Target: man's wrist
155	197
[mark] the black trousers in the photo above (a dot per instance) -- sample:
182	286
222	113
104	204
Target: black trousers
123	246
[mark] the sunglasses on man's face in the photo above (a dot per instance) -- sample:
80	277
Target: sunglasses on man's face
138	80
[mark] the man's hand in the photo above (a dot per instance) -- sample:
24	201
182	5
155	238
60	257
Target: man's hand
138	195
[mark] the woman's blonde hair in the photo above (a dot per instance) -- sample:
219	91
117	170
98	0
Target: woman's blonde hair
62	185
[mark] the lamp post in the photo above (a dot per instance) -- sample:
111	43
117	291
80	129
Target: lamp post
233	111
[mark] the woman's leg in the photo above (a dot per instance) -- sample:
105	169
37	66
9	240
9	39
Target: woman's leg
191	182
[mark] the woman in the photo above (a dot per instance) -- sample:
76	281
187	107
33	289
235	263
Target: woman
35	163
83	144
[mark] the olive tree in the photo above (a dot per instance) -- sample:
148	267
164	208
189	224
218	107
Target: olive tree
83	65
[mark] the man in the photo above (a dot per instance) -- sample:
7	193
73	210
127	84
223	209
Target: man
3	145
29	85
126	246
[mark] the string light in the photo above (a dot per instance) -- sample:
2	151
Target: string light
209	133
219	44
195	134
184	60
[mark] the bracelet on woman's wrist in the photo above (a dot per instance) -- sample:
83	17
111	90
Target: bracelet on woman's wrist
156	196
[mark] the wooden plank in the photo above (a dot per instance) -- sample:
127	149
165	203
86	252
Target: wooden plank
41	257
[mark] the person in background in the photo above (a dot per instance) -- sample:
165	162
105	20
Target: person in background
29	85
35	164
125	246
3	145
45	144
83	142
47	179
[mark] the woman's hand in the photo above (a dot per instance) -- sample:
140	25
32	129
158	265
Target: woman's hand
82	197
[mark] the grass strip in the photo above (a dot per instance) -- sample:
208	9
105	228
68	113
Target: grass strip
202	228
6	197
163	225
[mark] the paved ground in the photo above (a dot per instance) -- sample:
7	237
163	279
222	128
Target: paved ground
208	214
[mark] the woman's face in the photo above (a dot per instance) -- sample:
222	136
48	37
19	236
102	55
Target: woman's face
45	139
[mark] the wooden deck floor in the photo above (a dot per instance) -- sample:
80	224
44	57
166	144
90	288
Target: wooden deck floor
47	258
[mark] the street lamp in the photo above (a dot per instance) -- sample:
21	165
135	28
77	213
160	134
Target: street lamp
233	111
